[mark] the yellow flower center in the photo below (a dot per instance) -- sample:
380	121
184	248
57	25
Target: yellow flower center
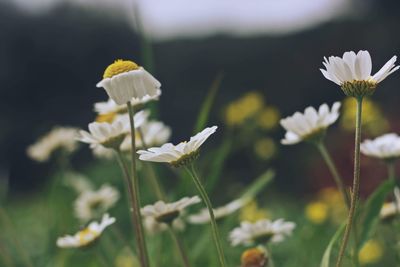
119	66
86	236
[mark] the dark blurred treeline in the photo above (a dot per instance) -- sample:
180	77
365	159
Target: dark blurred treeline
49	65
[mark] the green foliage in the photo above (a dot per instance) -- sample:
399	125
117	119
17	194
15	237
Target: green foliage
370	217
328	251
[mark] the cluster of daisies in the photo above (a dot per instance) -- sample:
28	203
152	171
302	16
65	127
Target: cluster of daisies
130	87
111	133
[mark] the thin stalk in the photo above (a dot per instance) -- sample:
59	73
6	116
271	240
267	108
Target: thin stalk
342	188
270	262
217	240
356	184
160	193
179	246
144	257
128	185
332	168
158	190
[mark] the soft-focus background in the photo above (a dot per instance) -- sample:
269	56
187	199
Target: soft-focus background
261	55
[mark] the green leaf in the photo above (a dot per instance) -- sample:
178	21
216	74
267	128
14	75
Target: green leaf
372	210
217	164
327	254
204	113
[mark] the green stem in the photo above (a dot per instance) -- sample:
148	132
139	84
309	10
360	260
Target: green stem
391	170
129	187
345	193
356	184
217	240
179	246
158	190
144	258
332	168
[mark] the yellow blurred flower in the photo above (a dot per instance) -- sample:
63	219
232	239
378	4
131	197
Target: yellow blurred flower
252	213
370	253
126	259
317	212
244	108
334	200
373	119
265	148
269	118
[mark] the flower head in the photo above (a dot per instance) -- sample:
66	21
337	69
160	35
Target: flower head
110	135
254	257
180	154
168	212
386	147
391	209
204	216
124	80
86	236
90	203
310	125
371	252
110	107
353	72
261	232
59	138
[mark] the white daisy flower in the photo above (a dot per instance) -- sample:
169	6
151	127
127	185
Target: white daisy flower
261	232
167	212
90	203
353	72
390	209
309	125
384	147
204	216
124	80
110	135
155	133
59	138
180	154
86	236
109	107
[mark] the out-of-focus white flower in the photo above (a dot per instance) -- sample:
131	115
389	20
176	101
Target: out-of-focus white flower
154	227
204	216
90	204
111	135
180	154
385	147
103	108
353	72
78	182
390	209
261	232
167	212
86	236
58	138
124	80
155	133
102	152
309	125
